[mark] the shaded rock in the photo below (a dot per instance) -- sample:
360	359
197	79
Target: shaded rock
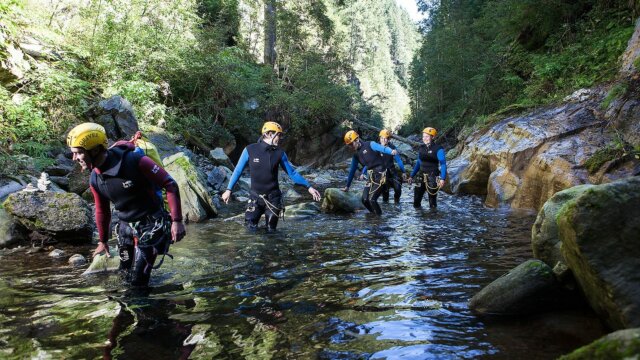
9	231
9	186
61	216
77	260
599	231
101	263
57	253
217	178
116	115
621	344
197	204
302	211
162	141
219	157
78	180
545	240
530	286
336	201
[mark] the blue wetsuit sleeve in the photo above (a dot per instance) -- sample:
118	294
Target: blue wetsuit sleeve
443	164
364	170
416	168
379	148
242	162
352	170
293	174
399	162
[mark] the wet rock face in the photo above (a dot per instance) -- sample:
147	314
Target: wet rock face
64	217
197	204
599	230
522	161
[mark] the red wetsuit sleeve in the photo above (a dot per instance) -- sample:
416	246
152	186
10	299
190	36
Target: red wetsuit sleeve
161	178
103	215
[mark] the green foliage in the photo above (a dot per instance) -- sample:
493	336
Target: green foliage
602	156
481	56
616	92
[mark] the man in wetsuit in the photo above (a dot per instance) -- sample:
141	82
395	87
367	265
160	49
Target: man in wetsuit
128	180
368	153
433	167
264	159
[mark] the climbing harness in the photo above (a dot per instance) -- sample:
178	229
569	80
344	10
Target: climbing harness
142	241
429	188
383	180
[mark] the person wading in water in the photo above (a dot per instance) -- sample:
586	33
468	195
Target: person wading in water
129	180
368	154
393	180
433	166
264	159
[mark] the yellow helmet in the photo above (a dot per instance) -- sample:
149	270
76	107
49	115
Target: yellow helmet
87	136
350	137
384	133
430	131
271	126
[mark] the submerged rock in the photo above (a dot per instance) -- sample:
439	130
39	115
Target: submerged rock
57	253
622	344
77	260
600	234
302	211
101	263
61	216
530	286
337	201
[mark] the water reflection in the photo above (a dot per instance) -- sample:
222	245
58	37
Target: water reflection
329	287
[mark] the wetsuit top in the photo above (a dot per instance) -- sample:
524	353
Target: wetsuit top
368	154
127	180
263	160
429	156
387	160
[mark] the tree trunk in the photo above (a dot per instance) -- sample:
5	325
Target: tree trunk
270	32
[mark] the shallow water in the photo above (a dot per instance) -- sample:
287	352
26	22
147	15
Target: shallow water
329	287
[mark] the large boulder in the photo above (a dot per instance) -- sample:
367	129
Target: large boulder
13	65
599	231
522	161
219	157
621	344
529	287
197	204
338	201
632	53
545	240
62	217
116	115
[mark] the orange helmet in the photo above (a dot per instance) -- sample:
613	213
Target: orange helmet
384	133
430	131
271	126
350	137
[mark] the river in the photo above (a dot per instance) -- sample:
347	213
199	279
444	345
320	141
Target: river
328	287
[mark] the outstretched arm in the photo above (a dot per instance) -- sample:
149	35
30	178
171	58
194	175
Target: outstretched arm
297	178
352	171
242	162
103	220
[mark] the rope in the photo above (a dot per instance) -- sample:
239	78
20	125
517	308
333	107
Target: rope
383	180
158	225
272	207
429	188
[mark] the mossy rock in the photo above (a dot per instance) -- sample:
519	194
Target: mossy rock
529	287
600	234
622	344
545	241
62	216
338	201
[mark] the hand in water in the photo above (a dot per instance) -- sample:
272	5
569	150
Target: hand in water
409	180
226	195
361	177
345	189
440	183
315	193
394	152
177	231
102	247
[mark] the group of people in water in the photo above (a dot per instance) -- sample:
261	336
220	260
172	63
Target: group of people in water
133	182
